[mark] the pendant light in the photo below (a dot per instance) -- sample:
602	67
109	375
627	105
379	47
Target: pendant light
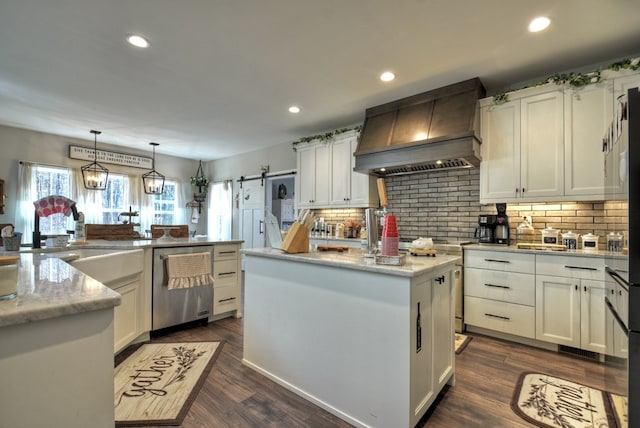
94	175
153	181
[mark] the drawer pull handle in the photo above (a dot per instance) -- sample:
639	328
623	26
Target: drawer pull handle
579	267
227	252
497	261
226	273
498	286
497	316
227	299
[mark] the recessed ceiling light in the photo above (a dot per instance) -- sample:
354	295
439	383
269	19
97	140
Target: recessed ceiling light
294	109
387	76
539	24
138	41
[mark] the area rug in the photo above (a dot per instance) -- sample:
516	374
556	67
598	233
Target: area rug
548	401
158	382
461	342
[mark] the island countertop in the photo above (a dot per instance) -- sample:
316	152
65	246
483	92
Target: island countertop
354	259
48	287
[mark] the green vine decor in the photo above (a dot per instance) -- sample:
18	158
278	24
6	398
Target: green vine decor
325	137
577	80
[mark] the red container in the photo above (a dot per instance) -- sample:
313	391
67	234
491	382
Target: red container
390	236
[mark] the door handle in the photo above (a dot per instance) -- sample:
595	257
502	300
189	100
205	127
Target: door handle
261	227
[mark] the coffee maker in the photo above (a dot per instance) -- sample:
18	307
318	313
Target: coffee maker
485	232
502	225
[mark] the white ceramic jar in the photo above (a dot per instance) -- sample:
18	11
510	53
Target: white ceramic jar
590	242
615	241
570	239
550	235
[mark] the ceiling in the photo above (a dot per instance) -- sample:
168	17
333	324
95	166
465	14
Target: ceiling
220	75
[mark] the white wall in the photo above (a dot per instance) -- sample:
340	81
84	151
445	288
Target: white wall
24	145
279	158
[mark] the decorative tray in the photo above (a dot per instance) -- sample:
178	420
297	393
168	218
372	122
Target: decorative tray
390	260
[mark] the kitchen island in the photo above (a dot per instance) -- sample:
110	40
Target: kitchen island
372	344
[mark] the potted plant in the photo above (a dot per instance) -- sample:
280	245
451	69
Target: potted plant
201	182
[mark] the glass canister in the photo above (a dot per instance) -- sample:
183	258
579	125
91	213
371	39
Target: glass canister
9	277
550	235
570	239
590	242
615	241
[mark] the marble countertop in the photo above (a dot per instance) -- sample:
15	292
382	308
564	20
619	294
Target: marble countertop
514	249
48	287
354	259
132	244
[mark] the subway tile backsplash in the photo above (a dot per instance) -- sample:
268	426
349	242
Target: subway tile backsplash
444	205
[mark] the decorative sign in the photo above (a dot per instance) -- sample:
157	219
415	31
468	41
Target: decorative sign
87	153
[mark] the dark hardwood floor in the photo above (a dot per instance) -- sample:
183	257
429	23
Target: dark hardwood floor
486	372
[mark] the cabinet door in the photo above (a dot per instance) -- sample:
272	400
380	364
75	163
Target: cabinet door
588	113
126	316
500	166
620	339
443	328
541	152
558	310
361	184
421	352
341	155
593	311
306	177
322	176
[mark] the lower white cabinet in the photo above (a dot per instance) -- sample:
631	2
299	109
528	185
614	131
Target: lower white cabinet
227	279
123	272
618	341
432	331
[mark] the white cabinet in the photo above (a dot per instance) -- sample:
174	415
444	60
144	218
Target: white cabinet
617	341
588	112
227	280
312	180
499	291
570	307
326	177
123	272
432	342
522	147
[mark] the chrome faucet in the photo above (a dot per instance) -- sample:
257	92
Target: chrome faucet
372	217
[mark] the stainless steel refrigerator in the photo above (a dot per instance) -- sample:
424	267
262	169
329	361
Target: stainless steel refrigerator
622	167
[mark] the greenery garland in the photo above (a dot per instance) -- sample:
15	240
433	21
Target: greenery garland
577	80
325	137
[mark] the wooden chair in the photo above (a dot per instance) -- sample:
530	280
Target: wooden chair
175	230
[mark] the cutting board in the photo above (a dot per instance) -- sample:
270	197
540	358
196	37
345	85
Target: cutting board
333	247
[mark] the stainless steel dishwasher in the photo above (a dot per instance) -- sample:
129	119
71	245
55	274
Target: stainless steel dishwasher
178	306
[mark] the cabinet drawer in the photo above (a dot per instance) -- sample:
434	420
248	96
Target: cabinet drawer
225	272
508	287
226	252
500	260
508	318
571	267
226	299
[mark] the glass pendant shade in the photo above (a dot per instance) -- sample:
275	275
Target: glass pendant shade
153	181
94	175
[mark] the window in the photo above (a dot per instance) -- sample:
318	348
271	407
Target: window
123	193
52	181
165	206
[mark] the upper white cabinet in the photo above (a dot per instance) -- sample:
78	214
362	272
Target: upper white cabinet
522	152
588	112
333	176
545	143
312	180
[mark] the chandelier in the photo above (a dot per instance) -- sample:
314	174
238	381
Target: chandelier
153	181
94	175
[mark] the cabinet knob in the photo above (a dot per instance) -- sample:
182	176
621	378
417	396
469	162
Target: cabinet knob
523	190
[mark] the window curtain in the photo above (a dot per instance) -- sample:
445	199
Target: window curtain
88	202
220	210
25	211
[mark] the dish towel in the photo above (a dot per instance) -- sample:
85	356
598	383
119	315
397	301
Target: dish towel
188	270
